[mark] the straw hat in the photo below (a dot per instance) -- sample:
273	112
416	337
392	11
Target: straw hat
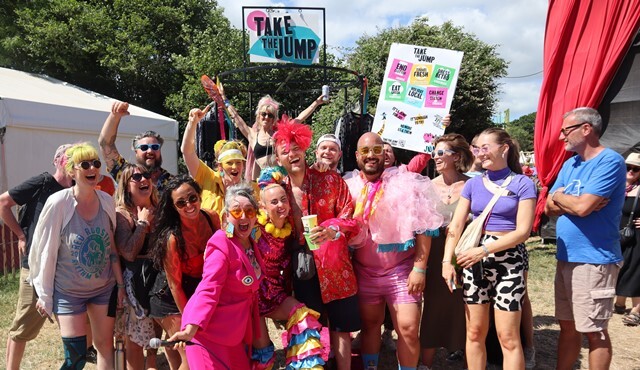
633	159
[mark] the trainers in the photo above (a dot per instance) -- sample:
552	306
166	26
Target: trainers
92	355
529	358
387	340
455	356
423	367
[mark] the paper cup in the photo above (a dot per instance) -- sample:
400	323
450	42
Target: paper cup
312	245
309	222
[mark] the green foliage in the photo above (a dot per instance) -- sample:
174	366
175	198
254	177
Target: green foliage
477	88
521	129
126	49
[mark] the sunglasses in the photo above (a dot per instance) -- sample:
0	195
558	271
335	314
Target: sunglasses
441	153
85	165
137	177
633	169
376	149
145	147
237	213
181	203
266	114
567	130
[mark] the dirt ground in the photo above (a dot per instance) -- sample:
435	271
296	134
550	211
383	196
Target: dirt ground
45	352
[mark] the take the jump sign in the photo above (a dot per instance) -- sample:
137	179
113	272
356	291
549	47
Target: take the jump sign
417	91
279	37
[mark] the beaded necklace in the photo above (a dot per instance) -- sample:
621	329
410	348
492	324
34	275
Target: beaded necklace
269	227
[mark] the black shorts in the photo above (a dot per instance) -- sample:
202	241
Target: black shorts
343	314
163	304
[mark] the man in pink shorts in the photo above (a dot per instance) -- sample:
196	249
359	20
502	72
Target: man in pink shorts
398	211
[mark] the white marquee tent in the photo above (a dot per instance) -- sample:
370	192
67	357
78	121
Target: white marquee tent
39	113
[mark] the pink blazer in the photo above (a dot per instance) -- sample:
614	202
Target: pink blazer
225	304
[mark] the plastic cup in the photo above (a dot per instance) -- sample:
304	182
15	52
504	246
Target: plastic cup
309	222
312	246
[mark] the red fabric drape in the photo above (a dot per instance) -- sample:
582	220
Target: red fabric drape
584	44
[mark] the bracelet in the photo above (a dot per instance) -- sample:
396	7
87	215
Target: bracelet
337	230
446	261
226	103
419	270
485	249
120	286
143	223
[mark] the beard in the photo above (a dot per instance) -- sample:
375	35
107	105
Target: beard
377	169
156	165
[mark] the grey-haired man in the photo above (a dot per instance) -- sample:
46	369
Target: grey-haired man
147	147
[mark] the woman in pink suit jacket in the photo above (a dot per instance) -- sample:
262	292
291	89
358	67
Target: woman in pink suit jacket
222	315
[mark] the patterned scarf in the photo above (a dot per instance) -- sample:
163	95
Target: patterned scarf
367	202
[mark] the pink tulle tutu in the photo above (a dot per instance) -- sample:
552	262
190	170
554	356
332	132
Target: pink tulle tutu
407	206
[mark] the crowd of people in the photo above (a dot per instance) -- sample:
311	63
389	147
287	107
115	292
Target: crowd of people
208	256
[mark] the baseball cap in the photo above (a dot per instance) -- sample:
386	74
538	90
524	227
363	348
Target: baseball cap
329	137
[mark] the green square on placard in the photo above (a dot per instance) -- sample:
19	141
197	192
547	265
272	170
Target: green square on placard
442	76
395	90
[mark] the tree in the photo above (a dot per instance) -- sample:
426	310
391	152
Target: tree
126	49
477	88
521	129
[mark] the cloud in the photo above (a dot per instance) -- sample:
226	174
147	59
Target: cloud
516	26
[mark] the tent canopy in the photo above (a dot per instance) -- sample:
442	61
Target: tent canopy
40	113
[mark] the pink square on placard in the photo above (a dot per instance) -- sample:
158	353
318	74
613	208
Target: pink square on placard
400	70
436	97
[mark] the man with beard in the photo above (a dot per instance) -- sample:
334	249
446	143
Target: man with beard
146	146
588	196
397	209
332	290
328	152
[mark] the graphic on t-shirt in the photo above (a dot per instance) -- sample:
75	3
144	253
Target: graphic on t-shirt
90	252
573	188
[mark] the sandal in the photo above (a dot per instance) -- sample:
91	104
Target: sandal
631	319
620	310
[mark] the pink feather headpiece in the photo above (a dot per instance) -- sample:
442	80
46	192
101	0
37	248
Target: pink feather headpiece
291	130
268	101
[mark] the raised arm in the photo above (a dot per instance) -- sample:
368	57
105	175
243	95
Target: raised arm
129	242
109	132
188	146
311	108
235	117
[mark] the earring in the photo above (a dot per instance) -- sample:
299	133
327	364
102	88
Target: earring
229	230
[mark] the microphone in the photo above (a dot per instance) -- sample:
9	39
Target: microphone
156	343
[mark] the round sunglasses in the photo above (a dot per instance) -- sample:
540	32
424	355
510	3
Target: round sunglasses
85	165
181	203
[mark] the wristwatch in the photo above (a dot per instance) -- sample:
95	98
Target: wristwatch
337	230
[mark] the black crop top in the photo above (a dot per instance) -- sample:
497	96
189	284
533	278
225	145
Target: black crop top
261	151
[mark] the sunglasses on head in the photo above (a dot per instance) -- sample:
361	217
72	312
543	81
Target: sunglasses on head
85	165
181	203
266	114
145	147
237	213
137	177
441	152
633	169
376	149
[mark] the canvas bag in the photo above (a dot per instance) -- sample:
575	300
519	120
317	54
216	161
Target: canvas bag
471	236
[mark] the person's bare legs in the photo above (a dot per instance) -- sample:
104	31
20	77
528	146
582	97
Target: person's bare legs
477	316
15	352
600	350
102	329
176	358
341	345
406	321
372	317
428	354
568	345
527	317
135	354
508	329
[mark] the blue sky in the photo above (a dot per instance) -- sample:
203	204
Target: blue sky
516	26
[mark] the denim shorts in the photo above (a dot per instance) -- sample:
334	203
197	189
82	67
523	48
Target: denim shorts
64	304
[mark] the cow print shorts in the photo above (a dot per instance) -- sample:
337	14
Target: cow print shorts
502	278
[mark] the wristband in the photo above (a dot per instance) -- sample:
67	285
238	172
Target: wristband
120	286
143	223
485	249
226	103
446	261
419	270
337	230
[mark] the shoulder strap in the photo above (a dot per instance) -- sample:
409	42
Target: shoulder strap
633	209
206	216
496	196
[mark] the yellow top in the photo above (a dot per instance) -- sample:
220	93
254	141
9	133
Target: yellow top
213	188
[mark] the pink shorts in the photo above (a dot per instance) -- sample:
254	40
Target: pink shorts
391	288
